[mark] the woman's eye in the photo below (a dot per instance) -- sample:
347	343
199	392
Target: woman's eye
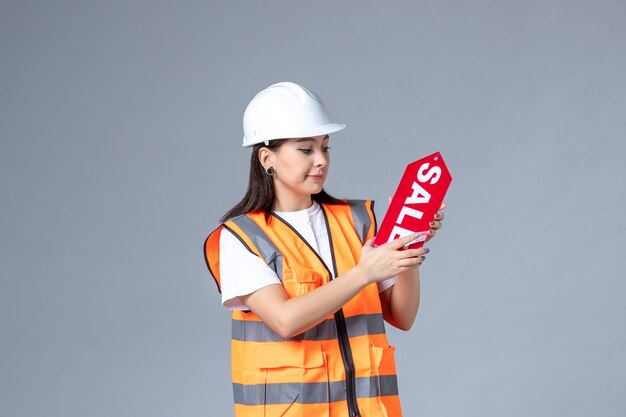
326	149
305	151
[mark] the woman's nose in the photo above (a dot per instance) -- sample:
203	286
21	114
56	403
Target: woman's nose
321	159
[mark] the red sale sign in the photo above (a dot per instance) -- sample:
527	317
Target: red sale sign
416	201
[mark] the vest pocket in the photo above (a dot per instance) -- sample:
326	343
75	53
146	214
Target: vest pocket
383	366
295	379
382	359
305	279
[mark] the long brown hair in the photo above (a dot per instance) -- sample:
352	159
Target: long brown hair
260	194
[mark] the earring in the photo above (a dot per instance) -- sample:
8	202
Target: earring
270	171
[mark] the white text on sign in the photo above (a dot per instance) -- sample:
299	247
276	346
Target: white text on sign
425	174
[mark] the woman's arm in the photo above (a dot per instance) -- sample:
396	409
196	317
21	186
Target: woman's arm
401	301
291	316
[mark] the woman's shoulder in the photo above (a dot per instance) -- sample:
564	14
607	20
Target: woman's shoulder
241	217
353	204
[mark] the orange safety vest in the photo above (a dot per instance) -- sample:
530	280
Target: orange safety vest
343	366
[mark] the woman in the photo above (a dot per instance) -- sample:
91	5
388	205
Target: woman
308	290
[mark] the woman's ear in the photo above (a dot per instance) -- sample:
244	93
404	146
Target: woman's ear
266	157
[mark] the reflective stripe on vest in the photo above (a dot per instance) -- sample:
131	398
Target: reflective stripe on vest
361	218
257	331
312	392
272	257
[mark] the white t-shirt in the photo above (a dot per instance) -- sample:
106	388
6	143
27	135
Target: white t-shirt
242	272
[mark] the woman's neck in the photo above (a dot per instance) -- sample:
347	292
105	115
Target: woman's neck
292	205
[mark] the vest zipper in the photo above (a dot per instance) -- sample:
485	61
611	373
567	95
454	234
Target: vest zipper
340	322
348	363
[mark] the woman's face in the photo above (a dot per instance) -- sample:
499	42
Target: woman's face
300	169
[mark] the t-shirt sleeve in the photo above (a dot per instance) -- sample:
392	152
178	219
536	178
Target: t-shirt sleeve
389	282
241	272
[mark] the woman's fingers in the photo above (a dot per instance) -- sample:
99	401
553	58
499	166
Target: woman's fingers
411	257
408	263
435	225
439	216
387	260
403	241
413	253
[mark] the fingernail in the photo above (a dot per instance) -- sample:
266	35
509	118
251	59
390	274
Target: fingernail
423	257
437	216
432	223
427	250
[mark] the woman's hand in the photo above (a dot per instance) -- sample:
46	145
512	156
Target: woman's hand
382	262
436	223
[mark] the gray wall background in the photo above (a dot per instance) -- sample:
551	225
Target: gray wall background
120	128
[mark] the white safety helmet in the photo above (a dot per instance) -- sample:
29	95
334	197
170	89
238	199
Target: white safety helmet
286	110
